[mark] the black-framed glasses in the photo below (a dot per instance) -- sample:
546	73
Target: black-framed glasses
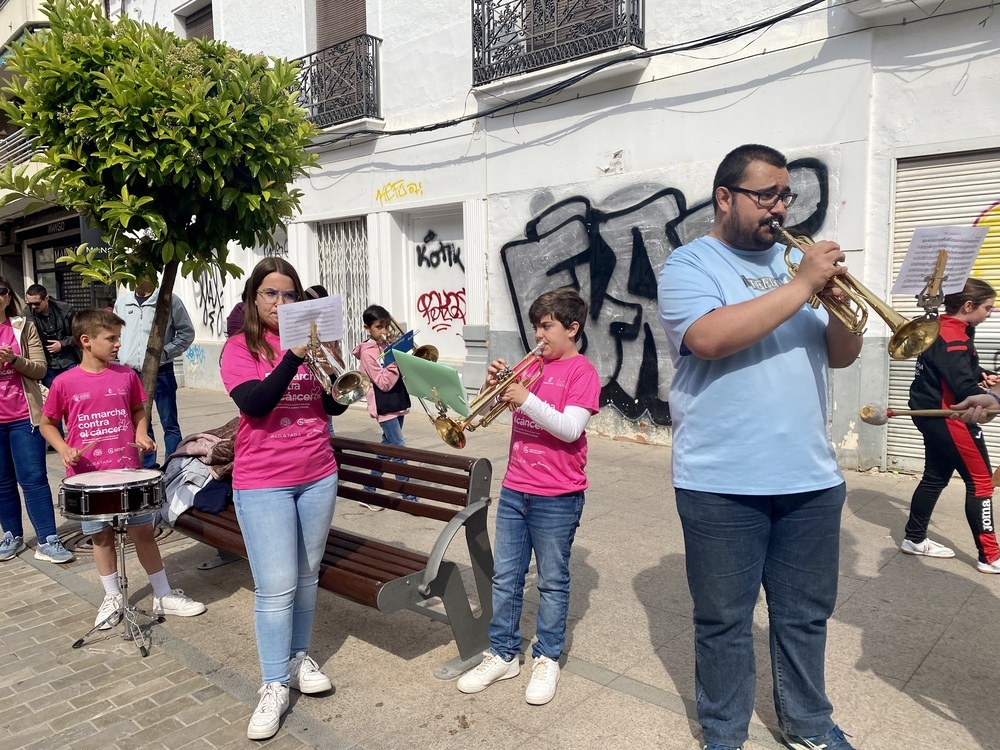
271	295
768	198
4	291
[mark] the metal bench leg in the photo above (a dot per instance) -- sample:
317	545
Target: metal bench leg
222	558
471	632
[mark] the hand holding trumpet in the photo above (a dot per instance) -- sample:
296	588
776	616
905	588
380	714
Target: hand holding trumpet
515	393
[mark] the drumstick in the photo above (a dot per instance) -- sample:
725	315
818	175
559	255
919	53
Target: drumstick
877	414
88	446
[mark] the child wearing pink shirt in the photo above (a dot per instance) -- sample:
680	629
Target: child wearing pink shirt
542	497
103	405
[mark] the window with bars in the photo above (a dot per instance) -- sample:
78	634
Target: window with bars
343	270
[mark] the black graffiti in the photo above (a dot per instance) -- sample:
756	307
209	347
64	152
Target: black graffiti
209	293
444	252
276	250
613	256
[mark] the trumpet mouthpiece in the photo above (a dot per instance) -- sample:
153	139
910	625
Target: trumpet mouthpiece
875	414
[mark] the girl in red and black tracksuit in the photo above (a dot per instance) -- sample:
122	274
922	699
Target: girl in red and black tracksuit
946	373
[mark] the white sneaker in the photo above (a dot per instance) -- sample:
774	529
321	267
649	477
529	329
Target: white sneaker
305	675
927	548
491	669
176	603
544	678
993	567
109	615
273	704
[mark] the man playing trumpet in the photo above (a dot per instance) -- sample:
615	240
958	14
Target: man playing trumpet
756	480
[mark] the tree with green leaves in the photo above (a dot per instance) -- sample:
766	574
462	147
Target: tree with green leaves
171	147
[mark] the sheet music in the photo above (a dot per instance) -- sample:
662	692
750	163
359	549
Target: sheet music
962	244
295	320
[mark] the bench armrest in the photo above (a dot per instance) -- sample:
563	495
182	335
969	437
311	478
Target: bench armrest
437	554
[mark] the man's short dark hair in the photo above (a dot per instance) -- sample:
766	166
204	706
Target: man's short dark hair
92	320
36	290
733	168
564	304
376	313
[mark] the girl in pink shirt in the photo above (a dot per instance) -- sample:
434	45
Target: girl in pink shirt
284	487
542	496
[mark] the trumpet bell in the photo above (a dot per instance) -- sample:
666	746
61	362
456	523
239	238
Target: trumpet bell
449	432
350	388
428	352
913	337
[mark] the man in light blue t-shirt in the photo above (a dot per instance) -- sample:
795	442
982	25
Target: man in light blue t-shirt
756	480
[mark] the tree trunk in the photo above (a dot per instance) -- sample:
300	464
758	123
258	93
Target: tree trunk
154	348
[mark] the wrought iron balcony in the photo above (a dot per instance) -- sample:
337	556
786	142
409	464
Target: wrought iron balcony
340	83
16	149
517	36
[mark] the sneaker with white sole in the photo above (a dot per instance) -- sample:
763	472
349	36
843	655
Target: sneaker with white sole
267	716
832	740
109	613
544	678
177	603
52	550
717	746
10	545
993	567
491	669
305	675
927	548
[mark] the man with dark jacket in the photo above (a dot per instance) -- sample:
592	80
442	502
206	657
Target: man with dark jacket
54	320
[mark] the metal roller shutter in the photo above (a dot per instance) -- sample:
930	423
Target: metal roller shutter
339	20
953	190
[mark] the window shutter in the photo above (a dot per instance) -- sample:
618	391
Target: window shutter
338	20
199	24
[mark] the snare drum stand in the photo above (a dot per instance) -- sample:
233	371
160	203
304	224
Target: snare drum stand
126	616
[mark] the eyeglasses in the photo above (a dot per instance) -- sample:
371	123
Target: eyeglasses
767	199
4	291
34	304
271	295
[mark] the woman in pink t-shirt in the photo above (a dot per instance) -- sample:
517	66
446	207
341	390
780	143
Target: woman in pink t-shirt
22	447
284	487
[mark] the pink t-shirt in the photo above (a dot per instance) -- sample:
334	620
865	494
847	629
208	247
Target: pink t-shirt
98	406
289	446
540	463
13	402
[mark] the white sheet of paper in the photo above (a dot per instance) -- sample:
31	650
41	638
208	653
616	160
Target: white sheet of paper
295	320
962	244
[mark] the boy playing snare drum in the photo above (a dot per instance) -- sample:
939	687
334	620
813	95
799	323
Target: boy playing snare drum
102	404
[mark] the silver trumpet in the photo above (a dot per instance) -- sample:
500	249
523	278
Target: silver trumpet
346	386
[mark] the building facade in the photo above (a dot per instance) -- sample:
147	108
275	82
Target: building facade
478	152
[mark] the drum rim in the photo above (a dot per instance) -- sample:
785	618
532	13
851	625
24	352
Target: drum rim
68	482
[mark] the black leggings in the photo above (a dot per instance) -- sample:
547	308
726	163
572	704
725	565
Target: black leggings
949	446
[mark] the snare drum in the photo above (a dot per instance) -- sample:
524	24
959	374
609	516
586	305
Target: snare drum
105	495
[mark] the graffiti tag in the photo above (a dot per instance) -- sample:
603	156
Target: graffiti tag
398	189
442	308
434	253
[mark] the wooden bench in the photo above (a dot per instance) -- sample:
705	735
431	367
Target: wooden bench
452	489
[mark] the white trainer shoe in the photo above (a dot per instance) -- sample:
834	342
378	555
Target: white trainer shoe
927	548
993	567
177	603
491	669
305	675
544	678
109	615
266	718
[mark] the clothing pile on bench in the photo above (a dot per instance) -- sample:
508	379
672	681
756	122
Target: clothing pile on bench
199	473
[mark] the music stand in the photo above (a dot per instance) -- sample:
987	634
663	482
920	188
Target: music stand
128	616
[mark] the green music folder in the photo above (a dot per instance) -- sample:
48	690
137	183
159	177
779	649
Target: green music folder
433	382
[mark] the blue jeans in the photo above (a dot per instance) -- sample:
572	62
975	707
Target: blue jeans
165	399
51	375
392	434
790	544
285	531
548	526
22	462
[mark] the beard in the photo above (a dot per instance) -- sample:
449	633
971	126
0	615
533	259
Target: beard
746	232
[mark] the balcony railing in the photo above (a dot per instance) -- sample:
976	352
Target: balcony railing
16	149
518	36
340	83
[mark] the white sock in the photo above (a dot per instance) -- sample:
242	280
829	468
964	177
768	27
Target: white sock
110	584
159	583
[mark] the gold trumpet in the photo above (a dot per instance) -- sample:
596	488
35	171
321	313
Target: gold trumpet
909	337
452	431
396	332
347	386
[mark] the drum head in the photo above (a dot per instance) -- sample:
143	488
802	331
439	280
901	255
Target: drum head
113	478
